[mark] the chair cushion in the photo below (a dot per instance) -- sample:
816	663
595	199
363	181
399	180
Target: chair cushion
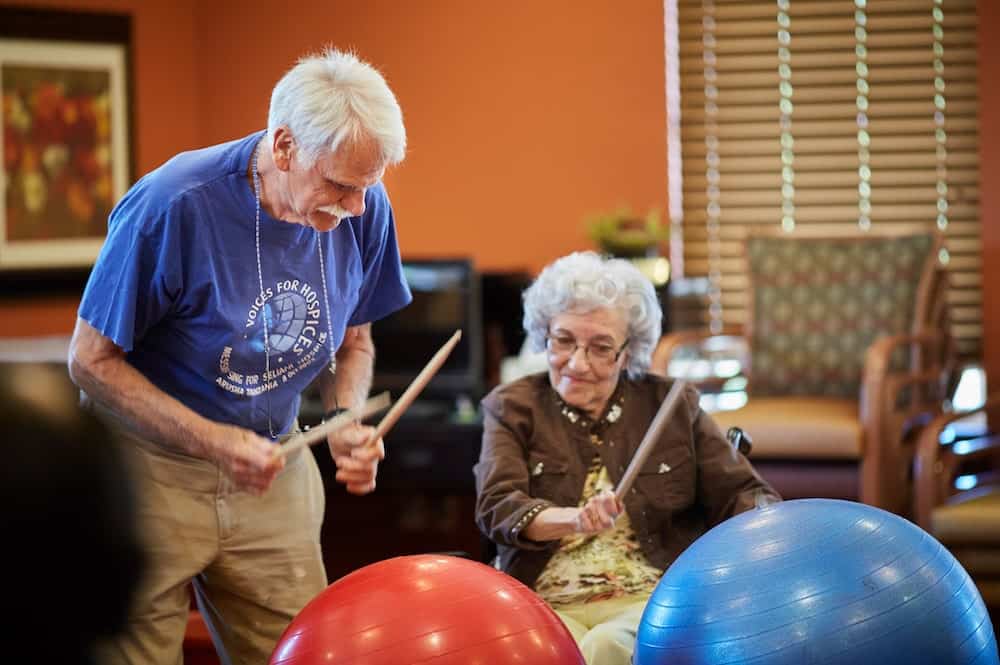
972	517
798	427
818	303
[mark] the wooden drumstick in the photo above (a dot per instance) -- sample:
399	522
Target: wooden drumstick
650	439
320	432
418	384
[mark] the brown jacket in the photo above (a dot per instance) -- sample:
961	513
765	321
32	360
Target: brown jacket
533	457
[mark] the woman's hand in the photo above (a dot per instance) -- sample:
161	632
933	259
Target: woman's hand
599	513
356	459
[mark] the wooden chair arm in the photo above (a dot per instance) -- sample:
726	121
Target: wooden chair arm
886	417
934	465
880	389
879	354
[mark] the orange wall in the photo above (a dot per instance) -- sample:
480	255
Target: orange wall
522	117
165	114
164	70
989	189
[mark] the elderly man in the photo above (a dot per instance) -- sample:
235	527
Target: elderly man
233	277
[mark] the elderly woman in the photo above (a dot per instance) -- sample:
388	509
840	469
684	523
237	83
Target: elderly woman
556	443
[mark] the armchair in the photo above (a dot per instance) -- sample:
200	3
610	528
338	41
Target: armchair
847	349
957	493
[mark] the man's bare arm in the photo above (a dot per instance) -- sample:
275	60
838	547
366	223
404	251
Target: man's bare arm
98	366
357	464
355	366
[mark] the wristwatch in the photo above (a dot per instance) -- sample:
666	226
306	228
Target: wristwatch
333	413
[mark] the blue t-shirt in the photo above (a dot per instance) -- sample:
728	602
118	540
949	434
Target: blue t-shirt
176	287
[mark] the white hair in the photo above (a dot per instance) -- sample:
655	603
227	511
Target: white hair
585	281
334	97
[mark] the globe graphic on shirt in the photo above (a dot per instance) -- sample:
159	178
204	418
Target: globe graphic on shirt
286	317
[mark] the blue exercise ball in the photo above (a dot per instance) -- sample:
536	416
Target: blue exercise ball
816	581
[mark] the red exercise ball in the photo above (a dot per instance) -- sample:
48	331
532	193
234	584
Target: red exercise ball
427	609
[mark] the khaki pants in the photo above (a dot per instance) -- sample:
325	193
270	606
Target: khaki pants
605	630
258	558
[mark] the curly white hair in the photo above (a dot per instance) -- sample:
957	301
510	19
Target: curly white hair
585	281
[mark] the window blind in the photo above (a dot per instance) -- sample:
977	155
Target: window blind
826	115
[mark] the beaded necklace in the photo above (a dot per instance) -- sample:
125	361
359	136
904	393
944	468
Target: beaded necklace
260	284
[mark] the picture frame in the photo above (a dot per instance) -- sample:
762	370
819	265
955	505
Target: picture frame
66	154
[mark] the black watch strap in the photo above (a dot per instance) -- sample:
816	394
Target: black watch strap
333	413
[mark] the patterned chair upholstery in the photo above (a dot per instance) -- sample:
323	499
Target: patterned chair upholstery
957	492
848	347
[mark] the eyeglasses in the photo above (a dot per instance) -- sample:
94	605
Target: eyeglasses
601	353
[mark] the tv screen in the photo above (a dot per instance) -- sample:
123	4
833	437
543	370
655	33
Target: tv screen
446	297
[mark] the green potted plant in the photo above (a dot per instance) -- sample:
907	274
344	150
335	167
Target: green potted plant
627	235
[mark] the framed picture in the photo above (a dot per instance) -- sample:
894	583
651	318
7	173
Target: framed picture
65	118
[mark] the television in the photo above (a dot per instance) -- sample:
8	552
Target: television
446	297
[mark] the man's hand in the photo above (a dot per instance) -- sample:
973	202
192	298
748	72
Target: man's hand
598	513
357	463
99	367
246	458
